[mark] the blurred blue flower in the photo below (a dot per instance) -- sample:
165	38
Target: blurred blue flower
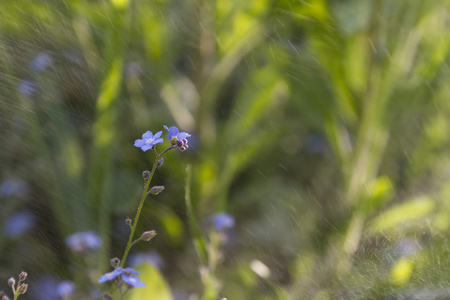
132	70
222	221
27	87
148	140
19	223
95	293
41	62
65	288
315	144
174	135
44	288
127	275
152	258
13	187
81	241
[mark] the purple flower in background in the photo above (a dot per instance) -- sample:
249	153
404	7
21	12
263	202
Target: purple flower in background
128	276
222	221
41	62
45	288
132	70
19	223
152	258
13	187
65	288
148	140
27	87
315	144
81	241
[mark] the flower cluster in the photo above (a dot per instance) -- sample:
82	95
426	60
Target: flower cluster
178	139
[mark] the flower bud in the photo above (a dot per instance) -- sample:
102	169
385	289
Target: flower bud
23	288
4	297
148	235
160	162
107	296
128	221
155	190
23	276
11	282
115	262
146	175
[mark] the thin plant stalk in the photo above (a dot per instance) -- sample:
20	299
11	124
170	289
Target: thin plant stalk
141	204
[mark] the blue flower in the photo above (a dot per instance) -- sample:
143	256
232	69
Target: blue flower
65	288
27	87
41	62
174	135
45	288
222	221
152	258
148	140
127	275
19	223
178	139
13	187
81	241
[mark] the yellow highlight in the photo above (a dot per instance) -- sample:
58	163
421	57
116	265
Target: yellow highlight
403	213
401	272
121	4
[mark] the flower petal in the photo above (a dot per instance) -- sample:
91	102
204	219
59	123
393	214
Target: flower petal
146	147
139	143
110	275
173	132
157	135
131	271
183	135
158	141
133	281
147	135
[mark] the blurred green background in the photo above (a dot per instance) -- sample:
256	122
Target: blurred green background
321	126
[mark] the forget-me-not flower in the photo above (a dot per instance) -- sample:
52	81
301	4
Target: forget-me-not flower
41	62
81	241
174	135
222	221
65	288
128	275
177	138
148	140
19	223
27	87
152	258
13	187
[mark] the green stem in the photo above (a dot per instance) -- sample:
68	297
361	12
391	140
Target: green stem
16	290
141	204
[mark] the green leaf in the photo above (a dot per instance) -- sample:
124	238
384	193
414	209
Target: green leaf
157	287
403	213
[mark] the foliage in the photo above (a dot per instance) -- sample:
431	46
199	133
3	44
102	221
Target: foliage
319	125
